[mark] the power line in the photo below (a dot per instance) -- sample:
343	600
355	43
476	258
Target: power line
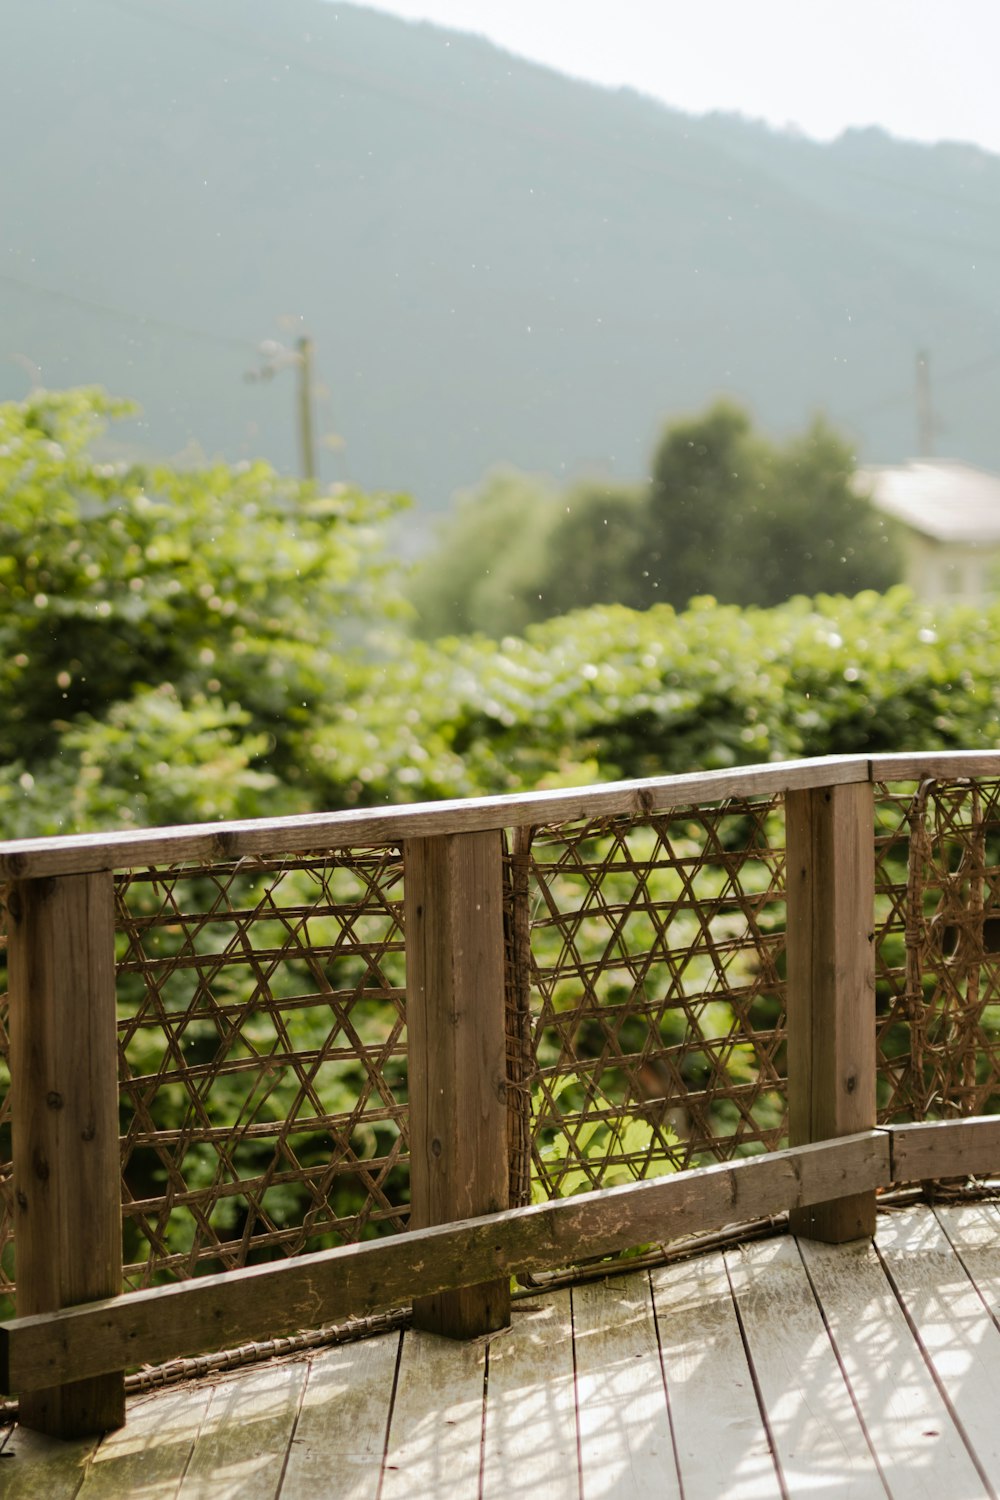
144	320
905	396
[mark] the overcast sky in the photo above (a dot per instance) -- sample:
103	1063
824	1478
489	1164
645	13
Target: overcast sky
924	69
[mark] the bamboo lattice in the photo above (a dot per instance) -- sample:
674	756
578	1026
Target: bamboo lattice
262	1057
657	993
262	1018
938	974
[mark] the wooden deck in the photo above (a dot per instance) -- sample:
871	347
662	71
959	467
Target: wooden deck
779	1368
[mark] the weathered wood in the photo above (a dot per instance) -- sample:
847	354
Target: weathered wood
343	1421
436	1428
214	1312
943	764
456	1056
246	1432
529	1436
37	1467
722	1445
24	858
946	1311
819	1442
966	1148
831	986
920	1451
626	1445
64	1096
150	1456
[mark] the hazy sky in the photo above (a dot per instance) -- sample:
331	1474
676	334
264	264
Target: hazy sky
924	69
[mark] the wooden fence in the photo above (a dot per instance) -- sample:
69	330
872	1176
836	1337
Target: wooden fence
730	994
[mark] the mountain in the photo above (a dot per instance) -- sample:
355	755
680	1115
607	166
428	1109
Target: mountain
498	264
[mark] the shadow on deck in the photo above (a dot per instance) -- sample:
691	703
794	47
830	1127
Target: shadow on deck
780	1367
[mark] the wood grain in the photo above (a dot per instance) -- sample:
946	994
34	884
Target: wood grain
626	1443
457	1056
242	1442
216	1312
945	765
529	1438
819	1442
831	985
960	1341
436	1428
23	858
921	1451
38	1467
967	1148
722	1445
66	1162
343	1421
150	1456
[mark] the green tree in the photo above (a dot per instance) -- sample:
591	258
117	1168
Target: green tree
486	572
697	522
593	550
749	521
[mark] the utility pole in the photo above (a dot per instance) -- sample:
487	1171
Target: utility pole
278	357
925	411
307	439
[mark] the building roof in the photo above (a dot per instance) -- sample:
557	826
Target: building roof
941	498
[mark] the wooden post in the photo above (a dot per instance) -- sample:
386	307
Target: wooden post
64	1100
830	844
453	887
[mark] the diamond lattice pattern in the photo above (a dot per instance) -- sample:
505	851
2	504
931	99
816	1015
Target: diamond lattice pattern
261	1027
938	918
657	993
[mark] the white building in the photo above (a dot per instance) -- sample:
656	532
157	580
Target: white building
950	515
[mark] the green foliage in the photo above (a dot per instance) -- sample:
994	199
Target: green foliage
166	636
612	692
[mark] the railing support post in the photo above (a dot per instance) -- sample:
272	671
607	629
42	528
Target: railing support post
457	1055
64	1101
830	846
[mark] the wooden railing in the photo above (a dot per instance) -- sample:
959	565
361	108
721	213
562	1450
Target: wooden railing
75	1334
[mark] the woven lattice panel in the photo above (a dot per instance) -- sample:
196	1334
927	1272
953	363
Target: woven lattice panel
6	1185
261	1026
938	916
656	993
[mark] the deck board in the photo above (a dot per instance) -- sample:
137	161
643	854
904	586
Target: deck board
959	1338
626	1443
779	1368
343	1421
436	1428
921	1451
814	1427
723	1451
241	1448
529	1439
149	1457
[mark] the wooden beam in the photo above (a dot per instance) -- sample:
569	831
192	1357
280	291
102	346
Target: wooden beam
24	858
64	1096
946	765
21	859
953	1148
213	1312
831	986
457	1056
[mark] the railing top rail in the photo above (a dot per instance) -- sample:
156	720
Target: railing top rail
84	853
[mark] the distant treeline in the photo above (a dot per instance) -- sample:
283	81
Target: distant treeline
725	512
